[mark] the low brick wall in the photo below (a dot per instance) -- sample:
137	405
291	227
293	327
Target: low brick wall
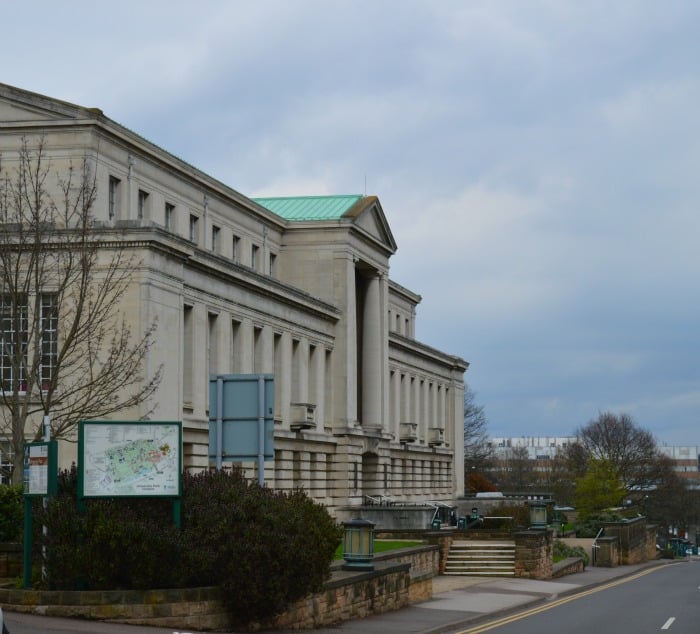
635	542
425	564
194	608
632	539
533	553
441	538
384	589
347	595
568	566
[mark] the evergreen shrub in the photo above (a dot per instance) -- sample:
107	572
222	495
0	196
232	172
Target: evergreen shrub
264	549
11	512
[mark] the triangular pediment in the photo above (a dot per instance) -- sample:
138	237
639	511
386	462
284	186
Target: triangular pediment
370	219
19	106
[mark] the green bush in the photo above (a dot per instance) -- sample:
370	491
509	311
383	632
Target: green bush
114	544
562	550
11	512
593	523
264	549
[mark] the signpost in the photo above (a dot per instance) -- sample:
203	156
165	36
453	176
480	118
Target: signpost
40	480
241	419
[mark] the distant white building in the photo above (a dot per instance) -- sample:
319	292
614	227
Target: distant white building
538	447
686	459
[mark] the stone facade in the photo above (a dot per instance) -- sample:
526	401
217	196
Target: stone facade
361	407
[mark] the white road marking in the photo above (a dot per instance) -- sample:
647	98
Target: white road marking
669	623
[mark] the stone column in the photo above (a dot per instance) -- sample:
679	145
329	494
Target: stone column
372	357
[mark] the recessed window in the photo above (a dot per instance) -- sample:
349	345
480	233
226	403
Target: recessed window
273	264
254	256
169	216
143	204
113	197
215	239
194	228
235	248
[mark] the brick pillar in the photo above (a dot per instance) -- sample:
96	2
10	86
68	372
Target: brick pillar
533	554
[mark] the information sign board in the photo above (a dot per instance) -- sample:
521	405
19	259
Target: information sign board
129	459
40	468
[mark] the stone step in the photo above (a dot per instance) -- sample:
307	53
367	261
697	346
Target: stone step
481	559
481	573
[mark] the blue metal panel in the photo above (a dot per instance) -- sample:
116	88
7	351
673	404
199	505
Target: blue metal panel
241	416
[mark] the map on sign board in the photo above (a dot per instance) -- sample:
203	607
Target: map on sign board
130	459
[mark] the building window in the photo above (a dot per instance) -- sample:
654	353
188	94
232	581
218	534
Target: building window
187	354
215	239
143	204
14	333
14	340
169	216
49	338
194	228
113	197
254	256
273	264
235	248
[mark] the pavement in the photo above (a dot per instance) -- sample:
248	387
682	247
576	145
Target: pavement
459	602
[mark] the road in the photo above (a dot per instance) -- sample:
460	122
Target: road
664	600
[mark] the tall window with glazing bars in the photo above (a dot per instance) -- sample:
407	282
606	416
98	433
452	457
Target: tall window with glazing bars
16	335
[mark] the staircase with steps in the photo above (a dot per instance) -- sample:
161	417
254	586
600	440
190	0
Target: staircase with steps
481	558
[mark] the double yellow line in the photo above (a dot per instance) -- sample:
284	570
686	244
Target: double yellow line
543	608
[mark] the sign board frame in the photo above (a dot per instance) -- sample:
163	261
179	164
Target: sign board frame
40	468
121	434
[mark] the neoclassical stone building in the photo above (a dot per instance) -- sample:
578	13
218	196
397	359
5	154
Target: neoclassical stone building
295	287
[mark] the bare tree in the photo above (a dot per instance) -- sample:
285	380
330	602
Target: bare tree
631	450
66	349
477	451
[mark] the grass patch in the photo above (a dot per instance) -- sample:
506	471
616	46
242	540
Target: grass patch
382	545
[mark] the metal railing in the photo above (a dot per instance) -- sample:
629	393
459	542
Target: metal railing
595	547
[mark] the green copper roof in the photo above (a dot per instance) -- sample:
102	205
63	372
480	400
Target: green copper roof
309	207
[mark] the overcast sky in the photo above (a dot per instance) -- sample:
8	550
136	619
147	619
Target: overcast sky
538	163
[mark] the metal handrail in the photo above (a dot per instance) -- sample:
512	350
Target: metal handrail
595	547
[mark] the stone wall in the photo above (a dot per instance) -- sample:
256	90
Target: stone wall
440	538
632	537
607	553
195	608
384	589
347	595
533	554
568	566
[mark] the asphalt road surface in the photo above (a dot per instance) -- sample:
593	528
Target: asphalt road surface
663	600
